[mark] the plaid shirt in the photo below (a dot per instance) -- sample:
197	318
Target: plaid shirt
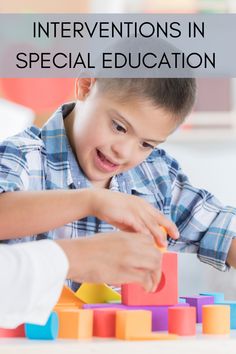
41	159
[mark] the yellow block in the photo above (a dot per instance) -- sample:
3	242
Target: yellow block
133	324
96	293
68	298
75	323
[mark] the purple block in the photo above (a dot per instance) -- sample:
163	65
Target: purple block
198	302
160	321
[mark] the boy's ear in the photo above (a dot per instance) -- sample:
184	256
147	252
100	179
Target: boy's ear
83	87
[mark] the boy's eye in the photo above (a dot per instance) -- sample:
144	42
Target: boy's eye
118	127
147	146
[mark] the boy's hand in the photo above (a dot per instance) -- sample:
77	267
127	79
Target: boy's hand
114	258
131	213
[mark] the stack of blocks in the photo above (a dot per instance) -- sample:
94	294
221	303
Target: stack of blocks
133	315
97	310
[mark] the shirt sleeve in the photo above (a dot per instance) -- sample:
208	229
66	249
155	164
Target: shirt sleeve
14	172
206	226
38	271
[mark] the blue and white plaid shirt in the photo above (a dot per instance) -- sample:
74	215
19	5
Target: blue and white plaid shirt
42	159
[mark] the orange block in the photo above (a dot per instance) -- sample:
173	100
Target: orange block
132	324
75	323
104	322
166	293
182	320
156	336
216	319
68	298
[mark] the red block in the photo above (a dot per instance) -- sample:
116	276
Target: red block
182	321
104	322
166	293
15	332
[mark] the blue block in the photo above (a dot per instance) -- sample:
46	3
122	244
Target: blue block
218	297
48	331
181	300
232	305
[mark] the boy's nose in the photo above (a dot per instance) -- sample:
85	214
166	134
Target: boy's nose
123	150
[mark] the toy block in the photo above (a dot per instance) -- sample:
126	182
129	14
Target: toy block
198	302
181	300
104	322
133	324
47	331
67	305
232	305
159	313
75	323
160	317
14	332
105	306
96	293
182	321
216	319
156	336
218	297
166	292
68	298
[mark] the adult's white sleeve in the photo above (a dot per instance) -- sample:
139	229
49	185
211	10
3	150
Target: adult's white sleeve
32	275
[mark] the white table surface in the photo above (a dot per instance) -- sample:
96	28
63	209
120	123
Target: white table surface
201	344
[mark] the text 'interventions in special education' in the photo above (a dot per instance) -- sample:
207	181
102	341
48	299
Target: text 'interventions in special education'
119	45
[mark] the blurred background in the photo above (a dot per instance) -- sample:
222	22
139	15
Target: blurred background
205	145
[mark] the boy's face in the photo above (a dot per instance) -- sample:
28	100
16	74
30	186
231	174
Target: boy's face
110	137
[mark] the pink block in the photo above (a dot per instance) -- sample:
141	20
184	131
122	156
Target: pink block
15	332
104	322
182	321
160	321
166	293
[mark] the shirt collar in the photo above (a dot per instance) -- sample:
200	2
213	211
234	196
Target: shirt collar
56	142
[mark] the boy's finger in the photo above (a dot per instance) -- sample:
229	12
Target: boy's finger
159	234
169	226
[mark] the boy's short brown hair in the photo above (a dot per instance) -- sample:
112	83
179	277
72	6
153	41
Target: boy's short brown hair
175	95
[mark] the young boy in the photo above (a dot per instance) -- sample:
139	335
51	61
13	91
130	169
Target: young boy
92	161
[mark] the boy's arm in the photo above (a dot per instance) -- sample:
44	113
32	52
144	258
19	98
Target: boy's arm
206	226
231	258
26	208
29	213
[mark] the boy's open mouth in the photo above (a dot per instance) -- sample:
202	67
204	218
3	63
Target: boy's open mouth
105	163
